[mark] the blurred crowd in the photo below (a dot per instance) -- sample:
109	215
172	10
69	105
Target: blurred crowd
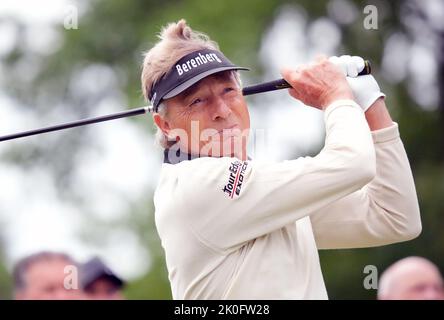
57	276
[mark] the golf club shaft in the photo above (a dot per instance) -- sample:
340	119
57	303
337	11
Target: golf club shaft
258	88
78	123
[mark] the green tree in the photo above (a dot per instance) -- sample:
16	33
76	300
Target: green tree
114	34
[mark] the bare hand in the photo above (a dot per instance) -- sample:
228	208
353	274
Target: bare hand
318	84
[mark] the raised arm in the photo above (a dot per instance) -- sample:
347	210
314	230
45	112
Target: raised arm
269	196
383	212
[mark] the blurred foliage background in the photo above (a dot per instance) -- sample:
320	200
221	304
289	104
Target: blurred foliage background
114	34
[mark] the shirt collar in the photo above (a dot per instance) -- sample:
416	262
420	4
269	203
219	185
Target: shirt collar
175	156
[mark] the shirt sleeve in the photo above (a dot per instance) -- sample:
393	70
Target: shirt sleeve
229	202
384	211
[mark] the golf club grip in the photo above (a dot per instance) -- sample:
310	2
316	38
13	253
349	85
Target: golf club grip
282	84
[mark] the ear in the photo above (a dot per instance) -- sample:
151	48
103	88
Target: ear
161	123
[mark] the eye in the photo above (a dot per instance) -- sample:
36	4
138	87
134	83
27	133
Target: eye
196	101
228	89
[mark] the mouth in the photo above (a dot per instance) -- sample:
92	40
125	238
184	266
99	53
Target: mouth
226	133
229	131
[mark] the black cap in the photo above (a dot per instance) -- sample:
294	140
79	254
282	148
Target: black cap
95	269
187	71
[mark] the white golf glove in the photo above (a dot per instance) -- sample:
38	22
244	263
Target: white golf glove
365	88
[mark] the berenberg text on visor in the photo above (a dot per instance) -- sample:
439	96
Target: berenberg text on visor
196	61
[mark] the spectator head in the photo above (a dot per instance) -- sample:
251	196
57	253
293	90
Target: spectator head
412	278
42	276
99	282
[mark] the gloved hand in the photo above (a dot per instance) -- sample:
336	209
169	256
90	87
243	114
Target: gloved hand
365	88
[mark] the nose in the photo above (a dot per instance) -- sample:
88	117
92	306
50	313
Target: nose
220	109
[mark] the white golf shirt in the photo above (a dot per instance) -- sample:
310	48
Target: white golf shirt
235	229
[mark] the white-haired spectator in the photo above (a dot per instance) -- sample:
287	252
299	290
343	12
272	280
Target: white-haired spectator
412	278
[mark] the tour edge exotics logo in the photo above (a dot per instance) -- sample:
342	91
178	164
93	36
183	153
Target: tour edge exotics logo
237	171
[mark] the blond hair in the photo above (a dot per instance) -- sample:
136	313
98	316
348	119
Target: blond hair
177	40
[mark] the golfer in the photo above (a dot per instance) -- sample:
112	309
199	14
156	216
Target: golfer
236	228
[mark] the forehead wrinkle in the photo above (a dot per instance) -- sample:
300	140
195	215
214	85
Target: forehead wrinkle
191	90
220	76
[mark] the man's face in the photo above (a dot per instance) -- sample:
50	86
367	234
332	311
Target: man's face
103	289
44	280
422	283
211	118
